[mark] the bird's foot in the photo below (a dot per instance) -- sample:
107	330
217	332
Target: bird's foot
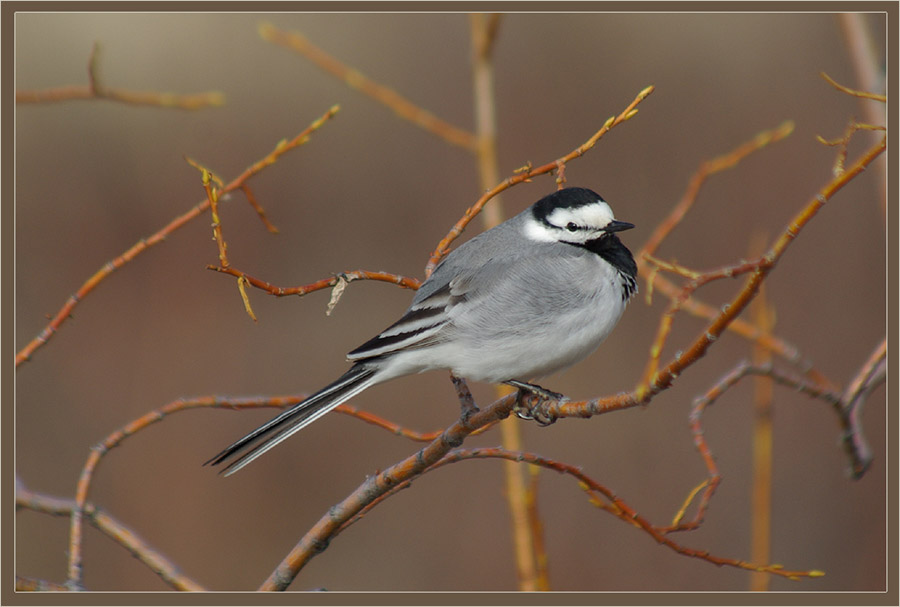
533	402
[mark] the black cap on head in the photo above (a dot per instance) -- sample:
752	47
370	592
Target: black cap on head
567	198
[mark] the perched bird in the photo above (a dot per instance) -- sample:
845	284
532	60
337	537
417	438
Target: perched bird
525	299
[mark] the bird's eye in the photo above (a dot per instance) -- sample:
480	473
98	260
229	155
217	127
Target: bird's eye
572	226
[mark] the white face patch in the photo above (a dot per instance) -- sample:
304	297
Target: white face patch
575	225
537	231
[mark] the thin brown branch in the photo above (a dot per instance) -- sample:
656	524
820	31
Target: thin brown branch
251	198
871	375
774	344
843	143
142	245
696	280
350	276
145	98
96	90
853	92
707	169
354	79
870	76
766	264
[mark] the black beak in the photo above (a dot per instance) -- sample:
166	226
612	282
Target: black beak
617	226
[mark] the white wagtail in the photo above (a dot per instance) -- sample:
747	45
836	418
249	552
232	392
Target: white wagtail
525	299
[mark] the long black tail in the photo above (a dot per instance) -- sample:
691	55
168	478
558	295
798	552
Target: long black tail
351	383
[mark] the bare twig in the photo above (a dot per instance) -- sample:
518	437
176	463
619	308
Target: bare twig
844	142
853	92
325	283
707	169
871	375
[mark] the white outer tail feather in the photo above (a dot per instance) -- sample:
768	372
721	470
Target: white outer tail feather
321	403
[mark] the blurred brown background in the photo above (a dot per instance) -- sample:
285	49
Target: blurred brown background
372	191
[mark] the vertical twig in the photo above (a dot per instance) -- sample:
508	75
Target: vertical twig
484	31
761	499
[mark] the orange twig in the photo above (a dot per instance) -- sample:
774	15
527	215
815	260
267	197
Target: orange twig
696	281
350	276
855	93
251	198
844	142
706	170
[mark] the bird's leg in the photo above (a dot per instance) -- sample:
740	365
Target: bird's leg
466	402
533	402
